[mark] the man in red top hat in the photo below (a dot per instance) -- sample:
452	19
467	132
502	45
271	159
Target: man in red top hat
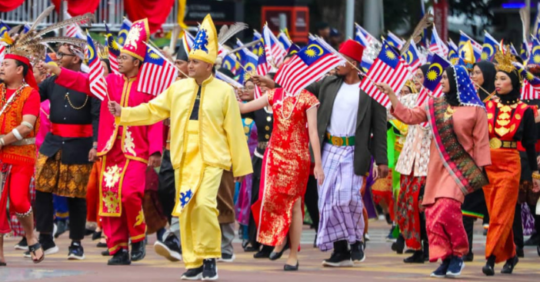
19	110
346	118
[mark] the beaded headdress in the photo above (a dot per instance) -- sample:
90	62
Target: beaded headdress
505	61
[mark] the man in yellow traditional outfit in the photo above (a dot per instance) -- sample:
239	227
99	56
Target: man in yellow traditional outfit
207	138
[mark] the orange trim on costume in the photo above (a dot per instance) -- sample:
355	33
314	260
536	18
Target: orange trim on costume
116	247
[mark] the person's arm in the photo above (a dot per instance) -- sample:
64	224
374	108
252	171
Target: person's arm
147	113
315	144
74	80
30	114
416	115
315	87
254	105
236	138
481	151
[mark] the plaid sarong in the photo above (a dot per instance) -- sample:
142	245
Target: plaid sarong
340	202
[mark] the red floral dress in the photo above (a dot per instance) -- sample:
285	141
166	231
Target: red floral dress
286	165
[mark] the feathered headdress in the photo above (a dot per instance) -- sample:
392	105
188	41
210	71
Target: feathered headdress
30	44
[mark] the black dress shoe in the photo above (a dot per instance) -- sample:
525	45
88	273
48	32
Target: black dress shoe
508	267
417	257
261	254
276	256
488	270
138	250
106	253
468	257
120	258
287	267
538	250
96	235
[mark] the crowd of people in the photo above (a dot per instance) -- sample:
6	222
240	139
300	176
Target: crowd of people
227	157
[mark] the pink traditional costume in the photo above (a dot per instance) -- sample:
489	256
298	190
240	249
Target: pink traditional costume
458	153
124	149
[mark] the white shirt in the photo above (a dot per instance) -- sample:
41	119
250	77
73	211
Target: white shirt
345	111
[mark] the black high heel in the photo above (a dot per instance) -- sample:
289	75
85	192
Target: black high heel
288	267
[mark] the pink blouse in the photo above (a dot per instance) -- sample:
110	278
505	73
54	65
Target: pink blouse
471	129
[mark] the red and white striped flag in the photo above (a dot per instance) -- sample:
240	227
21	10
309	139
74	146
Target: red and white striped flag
157	73
98	86
389	68
273	47
306	67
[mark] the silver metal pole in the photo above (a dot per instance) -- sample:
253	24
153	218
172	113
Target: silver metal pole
349	19
371	17
282	21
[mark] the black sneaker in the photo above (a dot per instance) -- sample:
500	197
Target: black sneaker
443	268
49	248
261	254
170	248
227	258
357	252
138	250
193	274
339	259
76	251
455	267
120	258
209	270
22	245
417	257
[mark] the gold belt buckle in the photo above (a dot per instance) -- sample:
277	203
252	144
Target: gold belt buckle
337	141
495	143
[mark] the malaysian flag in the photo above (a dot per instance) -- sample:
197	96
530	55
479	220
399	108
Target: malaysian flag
272	46
114	50
73	30
284	39
124	30
307	66
187	40
477	48
525	51
394	40
230	81
230	63
98	86
262	69
412	58
370	38
531	84
157	73
432	78
249	61
490	47
390	68
437	46
535	54
4	29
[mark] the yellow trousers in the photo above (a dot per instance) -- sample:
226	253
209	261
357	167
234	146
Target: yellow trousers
199	226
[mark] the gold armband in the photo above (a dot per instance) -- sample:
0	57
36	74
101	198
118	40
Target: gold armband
536	175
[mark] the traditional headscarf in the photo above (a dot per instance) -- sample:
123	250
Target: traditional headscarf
488	71
462	92
424	69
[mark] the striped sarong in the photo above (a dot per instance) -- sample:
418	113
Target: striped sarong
340	202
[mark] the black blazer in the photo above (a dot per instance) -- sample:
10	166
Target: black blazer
371	120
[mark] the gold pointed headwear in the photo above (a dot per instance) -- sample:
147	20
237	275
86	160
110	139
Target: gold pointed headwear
505	61
205	46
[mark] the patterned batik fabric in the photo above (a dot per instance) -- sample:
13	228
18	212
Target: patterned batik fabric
67	180
444	226
340	201
286	165
409	209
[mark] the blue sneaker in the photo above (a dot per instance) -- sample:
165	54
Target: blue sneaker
443	268
455	268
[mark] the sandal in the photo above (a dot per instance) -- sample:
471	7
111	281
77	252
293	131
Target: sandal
32	249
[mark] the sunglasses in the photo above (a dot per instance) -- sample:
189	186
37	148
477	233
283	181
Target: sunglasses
59	55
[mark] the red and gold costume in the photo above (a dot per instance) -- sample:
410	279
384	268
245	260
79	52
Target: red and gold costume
284	174
124	149
17	159
507	124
